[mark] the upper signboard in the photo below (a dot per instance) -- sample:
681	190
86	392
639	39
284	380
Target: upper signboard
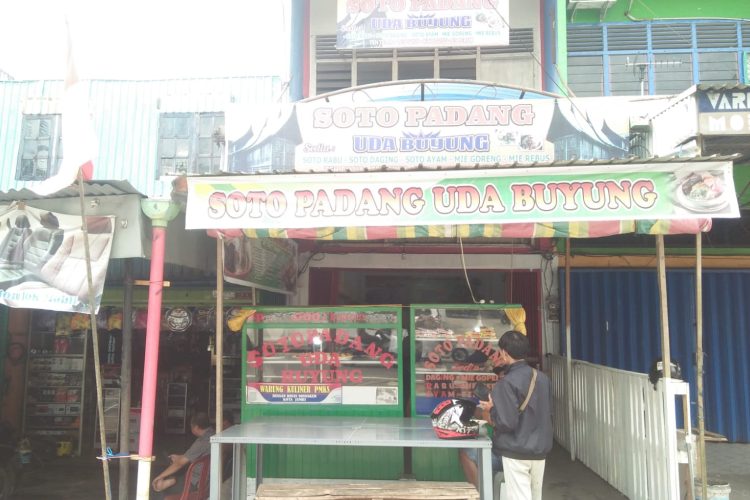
367	24
724	111
319	136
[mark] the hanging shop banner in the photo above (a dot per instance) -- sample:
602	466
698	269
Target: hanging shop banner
679	190
318	136
266	263
43	259
365	24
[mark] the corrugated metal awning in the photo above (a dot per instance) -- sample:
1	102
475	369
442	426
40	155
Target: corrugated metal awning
91	188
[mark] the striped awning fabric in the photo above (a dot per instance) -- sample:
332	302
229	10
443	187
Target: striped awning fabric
552	230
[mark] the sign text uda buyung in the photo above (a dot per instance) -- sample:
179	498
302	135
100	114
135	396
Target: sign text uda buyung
443	202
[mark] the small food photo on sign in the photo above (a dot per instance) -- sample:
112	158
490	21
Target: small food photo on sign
702	191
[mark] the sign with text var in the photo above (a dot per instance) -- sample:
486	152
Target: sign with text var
363	24
682	190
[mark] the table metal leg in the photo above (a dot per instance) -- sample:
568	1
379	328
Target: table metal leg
484	467
258	466
215	475
243	475
238	473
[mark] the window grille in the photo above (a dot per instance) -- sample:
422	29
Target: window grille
190	143
40	154
654	57
338	69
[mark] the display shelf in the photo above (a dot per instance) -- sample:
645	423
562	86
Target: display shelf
176	410
454	347
111	403
341	357
55	381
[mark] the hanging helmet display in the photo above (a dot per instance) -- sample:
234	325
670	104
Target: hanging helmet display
451	419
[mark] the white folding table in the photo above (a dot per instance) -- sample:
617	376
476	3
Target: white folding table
334	431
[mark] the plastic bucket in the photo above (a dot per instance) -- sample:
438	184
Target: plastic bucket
717	490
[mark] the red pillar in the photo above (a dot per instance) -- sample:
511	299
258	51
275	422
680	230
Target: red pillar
160	212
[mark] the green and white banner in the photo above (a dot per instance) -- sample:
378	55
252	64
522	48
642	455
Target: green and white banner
675	190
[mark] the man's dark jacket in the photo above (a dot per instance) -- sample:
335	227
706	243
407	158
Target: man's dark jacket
523	435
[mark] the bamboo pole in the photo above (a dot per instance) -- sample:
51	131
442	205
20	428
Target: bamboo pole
125	379
95	338
699	362
568	353
662	281
219	333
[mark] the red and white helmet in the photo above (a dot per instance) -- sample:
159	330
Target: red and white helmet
451	419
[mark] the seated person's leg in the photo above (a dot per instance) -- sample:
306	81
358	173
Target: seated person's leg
468	459
163	484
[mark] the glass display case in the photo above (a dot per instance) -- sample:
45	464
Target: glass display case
333	357
453	348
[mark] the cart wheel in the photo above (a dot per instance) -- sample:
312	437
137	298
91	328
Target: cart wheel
459	355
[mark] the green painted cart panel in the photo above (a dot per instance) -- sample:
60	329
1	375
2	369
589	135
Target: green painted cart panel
325	461
436	465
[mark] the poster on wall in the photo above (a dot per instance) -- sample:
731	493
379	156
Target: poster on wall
43	260
265	263
321	136
365	24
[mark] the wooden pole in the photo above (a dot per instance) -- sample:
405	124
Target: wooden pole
125	382
568	353
699	362
662	280
219	333
95	338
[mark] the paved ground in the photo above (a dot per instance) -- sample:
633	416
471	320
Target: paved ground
81	478
730	463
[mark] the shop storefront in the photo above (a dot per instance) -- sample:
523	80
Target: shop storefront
60	397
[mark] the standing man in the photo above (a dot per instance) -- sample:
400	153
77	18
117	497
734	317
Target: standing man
521	409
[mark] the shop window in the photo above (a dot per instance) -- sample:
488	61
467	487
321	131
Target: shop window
459	69
628	75
40	153
331	76
414	70
654	57
586	76
373	72
673	73
719	67
338	69
190	143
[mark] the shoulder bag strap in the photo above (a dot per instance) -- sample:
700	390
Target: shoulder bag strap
531	390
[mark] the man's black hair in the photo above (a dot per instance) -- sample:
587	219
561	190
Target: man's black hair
200	420
516	344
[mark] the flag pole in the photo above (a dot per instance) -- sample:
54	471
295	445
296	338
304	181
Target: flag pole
95	338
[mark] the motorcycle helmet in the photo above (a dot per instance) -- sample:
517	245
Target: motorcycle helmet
451	419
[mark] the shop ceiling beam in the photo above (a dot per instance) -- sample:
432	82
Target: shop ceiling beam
160	212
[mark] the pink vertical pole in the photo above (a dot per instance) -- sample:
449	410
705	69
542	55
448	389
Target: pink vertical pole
160	212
